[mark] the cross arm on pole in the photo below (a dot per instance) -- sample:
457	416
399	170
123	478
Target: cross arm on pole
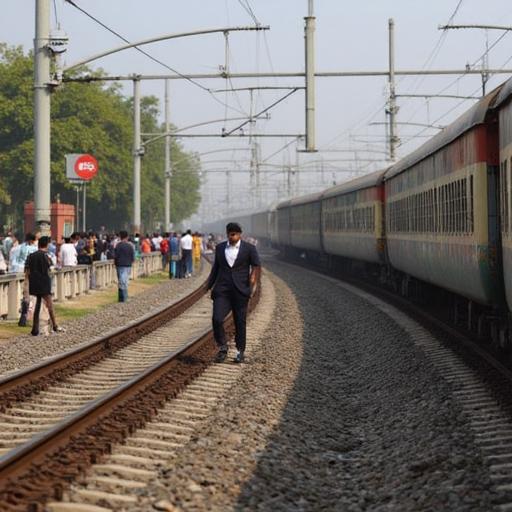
485	27
227	134
160	38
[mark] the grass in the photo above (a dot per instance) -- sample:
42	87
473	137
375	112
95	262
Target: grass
85	305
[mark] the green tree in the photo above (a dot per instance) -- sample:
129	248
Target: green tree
16	128
86	118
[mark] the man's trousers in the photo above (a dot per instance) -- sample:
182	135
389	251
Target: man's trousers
223	304
123	276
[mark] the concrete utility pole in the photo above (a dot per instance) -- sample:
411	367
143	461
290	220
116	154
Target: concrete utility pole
297	164
392	108
309	34
42	117
137	155
228	193
168	169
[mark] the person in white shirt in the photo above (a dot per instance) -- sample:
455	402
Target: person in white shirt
156	241
186	251
13	255
27	247
67	254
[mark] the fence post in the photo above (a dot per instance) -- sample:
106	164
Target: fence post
60	291
14	299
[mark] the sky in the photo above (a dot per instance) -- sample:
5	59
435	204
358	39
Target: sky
350	111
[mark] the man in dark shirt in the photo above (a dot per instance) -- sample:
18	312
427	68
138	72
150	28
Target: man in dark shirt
37	271
124	255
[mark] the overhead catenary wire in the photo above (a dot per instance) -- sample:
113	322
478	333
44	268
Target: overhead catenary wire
437	47
278	151
154	59
227	134
471	94
55	13
460	77
247	7
429	61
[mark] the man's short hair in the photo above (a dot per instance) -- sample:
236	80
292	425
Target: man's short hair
43	242
123	234
30	237
233	227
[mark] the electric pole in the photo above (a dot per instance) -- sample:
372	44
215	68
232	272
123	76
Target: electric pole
137	155
168	169
392	108
310	78
42	59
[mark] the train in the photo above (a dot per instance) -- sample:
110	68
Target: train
439	221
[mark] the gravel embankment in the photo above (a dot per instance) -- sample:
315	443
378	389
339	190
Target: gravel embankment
338	410
26	350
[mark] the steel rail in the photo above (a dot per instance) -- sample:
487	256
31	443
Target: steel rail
19	466
20	458
28	380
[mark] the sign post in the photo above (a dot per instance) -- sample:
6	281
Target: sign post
81	168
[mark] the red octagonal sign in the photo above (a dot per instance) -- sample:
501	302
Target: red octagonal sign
86	166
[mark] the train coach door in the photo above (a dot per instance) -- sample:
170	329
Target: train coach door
495	191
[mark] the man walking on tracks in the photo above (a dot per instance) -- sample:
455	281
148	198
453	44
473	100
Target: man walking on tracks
233	278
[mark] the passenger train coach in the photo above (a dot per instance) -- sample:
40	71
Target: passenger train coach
438	221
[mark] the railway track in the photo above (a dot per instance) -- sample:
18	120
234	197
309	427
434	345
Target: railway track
76	406
478	378
22	420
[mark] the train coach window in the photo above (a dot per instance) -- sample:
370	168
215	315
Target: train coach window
503	185
458	208
471	205
442	222
452	207
464	207
507	195
508	172
504	197
432	226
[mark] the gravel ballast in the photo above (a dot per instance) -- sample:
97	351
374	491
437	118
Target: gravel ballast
337	410
27	350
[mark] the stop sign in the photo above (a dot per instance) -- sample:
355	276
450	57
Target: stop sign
86	167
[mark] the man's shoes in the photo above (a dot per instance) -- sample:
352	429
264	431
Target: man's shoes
34	333
239	357
59	329
221	355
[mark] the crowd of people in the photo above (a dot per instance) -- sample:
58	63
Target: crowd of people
36	255
181	252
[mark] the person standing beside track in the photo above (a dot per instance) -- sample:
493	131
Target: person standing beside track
124	256
232	280
186	252
197	243
37	271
